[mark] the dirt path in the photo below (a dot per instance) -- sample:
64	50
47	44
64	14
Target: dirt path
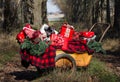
14	72
111	60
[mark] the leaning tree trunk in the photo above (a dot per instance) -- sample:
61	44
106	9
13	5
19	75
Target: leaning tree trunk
116	28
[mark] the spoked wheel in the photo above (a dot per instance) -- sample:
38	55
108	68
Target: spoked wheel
65	62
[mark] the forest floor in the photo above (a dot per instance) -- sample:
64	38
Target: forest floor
12	71
112	61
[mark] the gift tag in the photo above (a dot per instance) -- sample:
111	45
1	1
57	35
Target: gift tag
67	33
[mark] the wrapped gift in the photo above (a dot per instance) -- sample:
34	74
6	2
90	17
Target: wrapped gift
21	36
29	32
67	31
34	35
87	34
59	41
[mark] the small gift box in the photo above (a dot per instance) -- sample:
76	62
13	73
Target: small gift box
21	36
87	34
29	32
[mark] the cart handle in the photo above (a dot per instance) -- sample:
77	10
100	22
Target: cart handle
103	32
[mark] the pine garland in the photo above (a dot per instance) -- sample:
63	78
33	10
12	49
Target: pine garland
26	44
96	46
34	49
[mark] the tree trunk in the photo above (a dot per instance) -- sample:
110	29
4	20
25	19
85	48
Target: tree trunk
10	15
32	12
116	28
44	11
108	11
1	13
40	12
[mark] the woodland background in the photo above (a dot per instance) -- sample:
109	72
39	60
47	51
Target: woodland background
82	14
13	14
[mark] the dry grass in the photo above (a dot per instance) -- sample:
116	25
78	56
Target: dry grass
111	44
8	46
8	41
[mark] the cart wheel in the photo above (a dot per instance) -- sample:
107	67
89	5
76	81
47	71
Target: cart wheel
65	61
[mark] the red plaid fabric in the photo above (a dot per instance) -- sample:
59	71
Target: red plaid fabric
76	36
45	61
76	46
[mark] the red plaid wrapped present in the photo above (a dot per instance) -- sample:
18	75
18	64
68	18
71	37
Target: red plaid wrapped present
59	41
45	61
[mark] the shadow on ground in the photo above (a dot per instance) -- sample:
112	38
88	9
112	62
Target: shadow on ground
29	75
25	75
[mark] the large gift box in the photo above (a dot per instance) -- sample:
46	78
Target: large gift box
67	31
